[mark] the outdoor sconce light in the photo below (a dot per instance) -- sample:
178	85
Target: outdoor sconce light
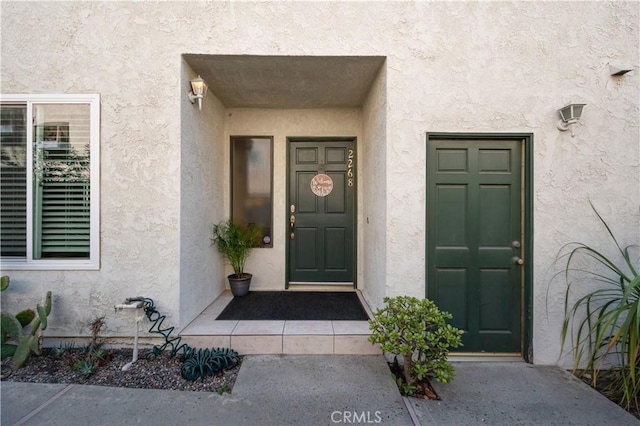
615	71
570	115
198	91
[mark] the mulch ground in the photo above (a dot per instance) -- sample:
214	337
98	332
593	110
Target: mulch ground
148	372
605	385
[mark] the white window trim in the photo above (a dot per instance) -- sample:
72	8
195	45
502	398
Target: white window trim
29	263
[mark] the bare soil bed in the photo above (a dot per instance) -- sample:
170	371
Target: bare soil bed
606	387
148	372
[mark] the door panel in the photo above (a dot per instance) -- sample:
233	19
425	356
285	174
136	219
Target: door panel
494	286
336	202
321	241
454	298
306	249
473	216
335	247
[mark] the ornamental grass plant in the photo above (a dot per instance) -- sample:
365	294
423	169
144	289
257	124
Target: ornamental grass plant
603	325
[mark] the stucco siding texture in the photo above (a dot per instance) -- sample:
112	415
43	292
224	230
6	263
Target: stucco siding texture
450	67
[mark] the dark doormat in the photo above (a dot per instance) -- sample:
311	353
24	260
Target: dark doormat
295	305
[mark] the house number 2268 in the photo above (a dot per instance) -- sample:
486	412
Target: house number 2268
350	168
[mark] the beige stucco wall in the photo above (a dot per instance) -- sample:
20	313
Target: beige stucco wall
372	233
202	177
282	124
451	66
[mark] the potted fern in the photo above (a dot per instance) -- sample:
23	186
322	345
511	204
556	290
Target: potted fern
235	243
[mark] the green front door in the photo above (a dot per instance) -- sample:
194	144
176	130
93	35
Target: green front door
474	247
321	211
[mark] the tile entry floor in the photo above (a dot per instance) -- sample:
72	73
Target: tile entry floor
279	337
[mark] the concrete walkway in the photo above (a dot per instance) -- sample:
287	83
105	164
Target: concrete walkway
324	390
516	393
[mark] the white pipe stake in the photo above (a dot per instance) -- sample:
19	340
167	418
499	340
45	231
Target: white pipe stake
135	305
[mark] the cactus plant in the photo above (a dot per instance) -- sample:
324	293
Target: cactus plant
16	342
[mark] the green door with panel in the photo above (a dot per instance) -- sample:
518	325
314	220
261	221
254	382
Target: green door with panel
321	211
474	247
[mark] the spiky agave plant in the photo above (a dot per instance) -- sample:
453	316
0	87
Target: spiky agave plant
605	323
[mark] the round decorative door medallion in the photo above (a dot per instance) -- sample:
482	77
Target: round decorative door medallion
321	185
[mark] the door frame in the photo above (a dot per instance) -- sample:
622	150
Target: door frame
328	139
527	225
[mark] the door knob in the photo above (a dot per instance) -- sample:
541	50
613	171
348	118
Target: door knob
516	260
515	244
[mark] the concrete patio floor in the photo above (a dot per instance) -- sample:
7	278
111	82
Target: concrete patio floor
279	337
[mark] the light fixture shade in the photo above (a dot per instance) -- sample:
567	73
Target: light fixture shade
571	113
618	71
199	87
198	91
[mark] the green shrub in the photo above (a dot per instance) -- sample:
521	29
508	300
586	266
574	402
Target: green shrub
418	331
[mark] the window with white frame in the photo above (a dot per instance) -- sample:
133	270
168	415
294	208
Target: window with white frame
49	181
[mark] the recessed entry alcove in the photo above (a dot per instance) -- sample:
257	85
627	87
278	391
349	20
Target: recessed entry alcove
248	81
284	98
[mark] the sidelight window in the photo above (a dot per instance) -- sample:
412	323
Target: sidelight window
252	183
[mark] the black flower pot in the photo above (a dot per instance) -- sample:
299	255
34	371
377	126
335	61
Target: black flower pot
240	285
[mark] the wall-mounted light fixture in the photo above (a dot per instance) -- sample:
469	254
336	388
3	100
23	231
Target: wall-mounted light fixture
198	91
570	115
616	71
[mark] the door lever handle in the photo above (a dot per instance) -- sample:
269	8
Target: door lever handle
292	224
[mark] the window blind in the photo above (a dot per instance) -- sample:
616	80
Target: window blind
13	181
61	168
49	181
65	222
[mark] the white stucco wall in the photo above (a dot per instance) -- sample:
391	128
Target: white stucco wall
451	66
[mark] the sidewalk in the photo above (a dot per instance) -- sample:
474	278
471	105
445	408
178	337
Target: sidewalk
270	390
516	393
326	390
